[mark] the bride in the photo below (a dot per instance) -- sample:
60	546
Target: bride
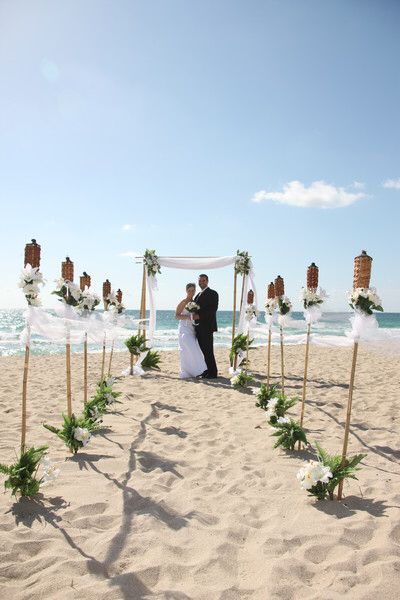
192	359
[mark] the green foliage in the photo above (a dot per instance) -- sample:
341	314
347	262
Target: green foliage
239	345
104	397
283	307
151	360
21	475
366	305
283	405
241	380
265	394
289	434
136	344
339	472
67	431
242	263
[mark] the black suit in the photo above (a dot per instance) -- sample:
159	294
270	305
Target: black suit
205	327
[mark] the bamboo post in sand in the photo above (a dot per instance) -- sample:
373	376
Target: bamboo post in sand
250	300
111	357
85	282
67	273
270	296
240	310
103	360
32	257
234	304
312	286
279	292
142	326
361	279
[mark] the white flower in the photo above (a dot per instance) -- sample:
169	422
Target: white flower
60	283
235	380
270	412
94	412
271	305
81	434
282	420
50	473
110	381
75	291
251	312
312	472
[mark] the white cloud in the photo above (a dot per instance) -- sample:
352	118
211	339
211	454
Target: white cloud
393	184
127	227
318	195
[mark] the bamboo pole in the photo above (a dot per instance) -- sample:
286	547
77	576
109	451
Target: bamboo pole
25	389
111	357
247	351
303	397
234	304
348	416
282	361
68	367
142	315
241	304
85	370
103	360
269	358
131	373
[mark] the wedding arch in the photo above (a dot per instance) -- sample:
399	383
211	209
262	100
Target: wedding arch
152	265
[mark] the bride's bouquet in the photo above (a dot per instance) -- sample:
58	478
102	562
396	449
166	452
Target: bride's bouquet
192	307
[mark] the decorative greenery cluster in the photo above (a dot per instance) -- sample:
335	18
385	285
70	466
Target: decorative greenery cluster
242	263
288	434
366	300
101	401
321	478
241	380
150	259
136	344
264	395
22	474
75	431
152	360
278	407
239	345
284	305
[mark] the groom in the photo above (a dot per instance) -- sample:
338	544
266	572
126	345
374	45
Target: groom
206	323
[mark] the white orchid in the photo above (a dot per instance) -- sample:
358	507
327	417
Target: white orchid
282	420
312	472
270	412
29	281
365	299
251	312
313	297
109	398
110	381
50	472
88	300
81	434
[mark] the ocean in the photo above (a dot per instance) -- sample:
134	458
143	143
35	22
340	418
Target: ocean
331	329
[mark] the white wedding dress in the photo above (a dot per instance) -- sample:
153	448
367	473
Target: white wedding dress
192	359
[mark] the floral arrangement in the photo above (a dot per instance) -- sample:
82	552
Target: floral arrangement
68	292
288	432
251	312
321	477
311	297
284	305
270	306
192	307
150	259
50	472
278	406
104	397
136	344
88	300
366	300
265	394
75	431
152	360
241	380
114	303
22	474
242	263
239	347
29	281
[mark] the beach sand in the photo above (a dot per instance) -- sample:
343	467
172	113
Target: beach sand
182	496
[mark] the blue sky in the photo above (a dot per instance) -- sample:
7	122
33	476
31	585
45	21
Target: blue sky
172	117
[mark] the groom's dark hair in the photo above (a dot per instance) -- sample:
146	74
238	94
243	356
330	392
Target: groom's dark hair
203	275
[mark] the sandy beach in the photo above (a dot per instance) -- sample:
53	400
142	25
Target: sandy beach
182	496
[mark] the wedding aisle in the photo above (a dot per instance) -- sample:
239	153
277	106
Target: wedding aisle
182	496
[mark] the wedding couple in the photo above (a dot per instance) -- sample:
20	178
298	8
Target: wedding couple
197	315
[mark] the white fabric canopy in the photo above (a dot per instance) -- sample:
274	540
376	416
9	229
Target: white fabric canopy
197	263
